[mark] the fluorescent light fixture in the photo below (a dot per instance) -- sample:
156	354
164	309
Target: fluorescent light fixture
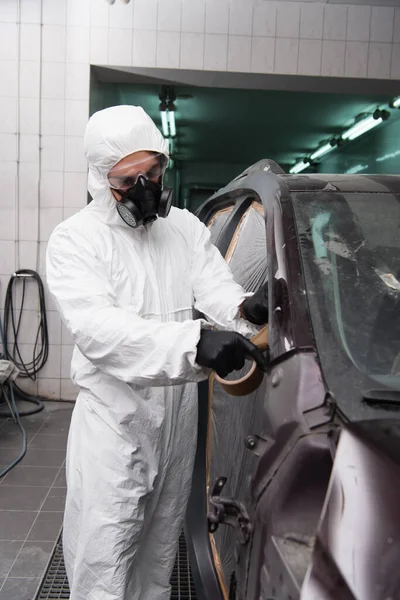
172	125
361	127
388	156
396	102
357	169
322	151
299	167
164	122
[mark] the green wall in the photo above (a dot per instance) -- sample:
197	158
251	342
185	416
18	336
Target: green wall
375	152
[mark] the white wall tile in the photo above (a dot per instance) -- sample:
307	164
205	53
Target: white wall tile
286	55
29	386
52	152
192	51
29	147
382	19
28	185
121	15
70	211
168	49
66	337
359	23
29	115
49	388
75	160
52	116
8	78
99	45
52	368
4	279
240	17
27	255
77	78
379	57
395	68
8	11
312	21
69	391
120	48
7	257
8	115
193	16
333	54
54	43
396	32
7	223
51	189
28	223
29	81
30	42
239	53
49	219
55	12
310	56
264	18
145	15
356	59
100	13
78	12
53	80
8	41
66	357
215	52
8	174
76	117
41	268
77	42
335	22
144	48
169	15
288	20
217	16
8	146
30	11
75	189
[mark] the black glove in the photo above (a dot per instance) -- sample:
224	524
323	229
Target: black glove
255	308
225	351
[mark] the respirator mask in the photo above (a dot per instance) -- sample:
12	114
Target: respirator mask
144	199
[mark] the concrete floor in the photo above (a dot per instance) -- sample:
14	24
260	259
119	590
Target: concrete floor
32	498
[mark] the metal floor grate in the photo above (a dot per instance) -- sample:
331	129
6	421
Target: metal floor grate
55	584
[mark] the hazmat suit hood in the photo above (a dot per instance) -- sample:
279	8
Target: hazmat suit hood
111	135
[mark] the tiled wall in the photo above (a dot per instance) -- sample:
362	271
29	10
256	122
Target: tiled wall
46	48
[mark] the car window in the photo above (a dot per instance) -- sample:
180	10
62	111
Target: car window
350	245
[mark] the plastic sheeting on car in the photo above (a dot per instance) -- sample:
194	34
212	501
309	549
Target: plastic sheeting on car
233	419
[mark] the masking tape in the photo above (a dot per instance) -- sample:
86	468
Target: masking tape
252	380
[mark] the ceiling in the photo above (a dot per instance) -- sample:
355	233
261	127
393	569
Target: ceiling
241	126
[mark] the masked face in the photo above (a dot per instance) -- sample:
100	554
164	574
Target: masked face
135	183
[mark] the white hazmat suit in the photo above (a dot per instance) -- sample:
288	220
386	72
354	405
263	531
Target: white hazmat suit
126	296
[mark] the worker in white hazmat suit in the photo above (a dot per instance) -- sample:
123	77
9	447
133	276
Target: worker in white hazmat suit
126	288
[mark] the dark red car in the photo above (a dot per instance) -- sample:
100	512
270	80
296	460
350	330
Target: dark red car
296	491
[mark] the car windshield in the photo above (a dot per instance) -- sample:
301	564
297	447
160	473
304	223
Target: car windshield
350	246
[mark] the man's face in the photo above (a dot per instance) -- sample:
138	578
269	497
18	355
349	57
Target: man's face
125	173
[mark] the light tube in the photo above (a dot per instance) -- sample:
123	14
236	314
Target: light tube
299	167
164	122
172	125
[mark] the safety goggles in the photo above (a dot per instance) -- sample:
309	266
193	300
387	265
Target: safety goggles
152	167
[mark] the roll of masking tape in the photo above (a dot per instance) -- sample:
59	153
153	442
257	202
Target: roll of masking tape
252	380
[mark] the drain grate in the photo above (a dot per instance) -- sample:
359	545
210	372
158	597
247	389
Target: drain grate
55	584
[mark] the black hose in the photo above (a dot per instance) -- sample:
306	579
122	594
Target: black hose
28	370
16	416
41	347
